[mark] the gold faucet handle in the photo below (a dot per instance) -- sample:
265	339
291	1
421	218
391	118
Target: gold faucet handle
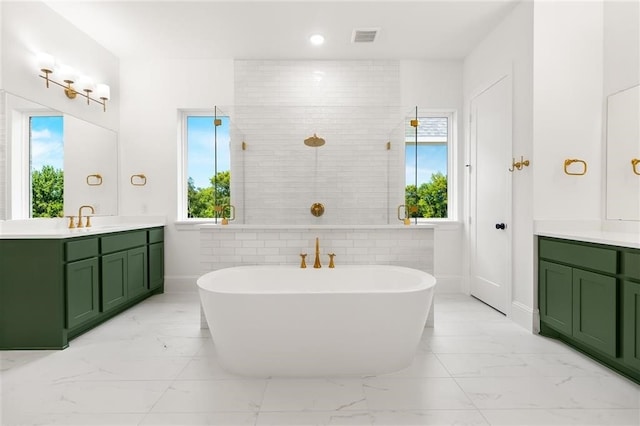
303	263
88	224
71	224
331	256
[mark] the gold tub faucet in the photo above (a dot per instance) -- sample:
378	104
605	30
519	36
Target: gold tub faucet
80	225
317	264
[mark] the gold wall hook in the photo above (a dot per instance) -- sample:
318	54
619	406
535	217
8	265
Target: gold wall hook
570	161
519	164
94	180
634	164
138	180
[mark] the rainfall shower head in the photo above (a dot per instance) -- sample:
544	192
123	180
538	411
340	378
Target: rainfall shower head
314	141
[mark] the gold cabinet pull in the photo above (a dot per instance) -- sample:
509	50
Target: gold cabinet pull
634	164
570	161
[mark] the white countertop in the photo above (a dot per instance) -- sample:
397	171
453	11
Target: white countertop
56	228
621	239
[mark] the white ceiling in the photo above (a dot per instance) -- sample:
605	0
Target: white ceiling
427	29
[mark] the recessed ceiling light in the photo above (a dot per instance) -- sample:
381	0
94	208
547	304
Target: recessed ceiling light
316	39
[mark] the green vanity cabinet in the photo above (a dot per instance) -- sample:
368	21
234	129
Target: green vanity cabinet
53	289
586	299
595	311
114	280
82	291
631	324
556	296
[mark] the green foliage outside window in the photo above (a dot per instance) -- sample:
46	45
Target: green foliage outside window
47	192
201	201
430	197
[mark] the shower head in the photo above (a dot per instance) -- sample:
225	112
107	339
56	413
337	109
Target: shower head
314	141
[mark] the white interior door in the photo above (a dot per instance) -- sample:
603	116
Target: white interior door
490	213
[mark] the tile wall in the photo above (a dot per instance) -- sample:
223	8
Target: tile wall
353	105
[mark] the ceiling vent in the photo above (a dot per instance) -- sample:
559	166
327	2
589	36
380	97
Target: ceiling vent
364	35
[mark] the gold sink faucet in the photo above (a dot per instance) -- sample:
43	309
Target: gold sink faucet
317	264
80	225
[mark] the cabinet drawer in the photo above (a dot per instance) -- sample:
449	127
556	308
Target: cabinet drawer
590	257
631	265
80	249
124	241
156	235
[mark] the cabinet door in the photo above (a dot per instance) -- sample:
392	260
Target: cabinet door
136	271
556	294
595	313
82	291
631	326
156	265
114	280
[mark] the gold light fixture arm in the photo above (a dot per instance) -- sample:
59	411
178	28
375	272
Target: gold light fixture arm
634	164
569	161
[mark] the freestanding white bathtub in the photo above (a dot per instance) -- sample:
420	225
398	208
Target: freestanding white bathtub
288	321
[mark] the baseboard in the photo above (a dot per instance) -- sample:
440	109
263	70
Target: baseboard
448	284
180	283
524	316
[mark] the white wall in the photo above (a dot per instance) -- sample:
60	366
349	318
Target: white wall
153	92
508	50
568	107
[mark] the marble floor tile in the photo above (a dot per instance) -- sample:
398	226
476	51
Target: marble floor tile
428	417
75	419
199	419
193	396
415	394
423	365
563	417
314	395
312	418
551	392
521	365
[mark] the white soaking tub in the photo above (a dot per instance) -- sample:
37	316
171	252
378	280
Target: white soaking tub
287	321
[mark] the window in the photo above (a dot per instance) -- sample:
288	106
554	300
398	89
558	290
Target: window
207	165
427	151
46	160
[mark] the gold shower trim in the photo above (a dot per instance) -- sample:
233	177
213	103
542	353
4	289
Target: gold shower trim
314	141
317	209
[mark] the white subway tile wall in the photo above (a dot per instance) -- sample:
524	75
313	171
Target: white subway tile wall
353	105
222	247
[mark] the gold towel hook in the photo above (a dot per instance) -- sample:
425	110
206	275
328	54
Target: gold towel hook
570	161
634	164
518	165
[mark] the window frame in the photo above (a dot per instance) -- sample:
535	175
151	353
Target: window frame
452	142
183	171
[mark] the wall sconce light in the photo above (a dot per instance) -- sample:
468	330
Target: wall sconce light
73	84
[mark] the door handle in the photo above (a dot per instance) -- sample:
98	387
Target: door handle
500	226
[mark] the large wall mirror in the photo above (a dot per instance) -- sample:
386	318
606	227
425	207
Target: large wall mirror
58	162
623	155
